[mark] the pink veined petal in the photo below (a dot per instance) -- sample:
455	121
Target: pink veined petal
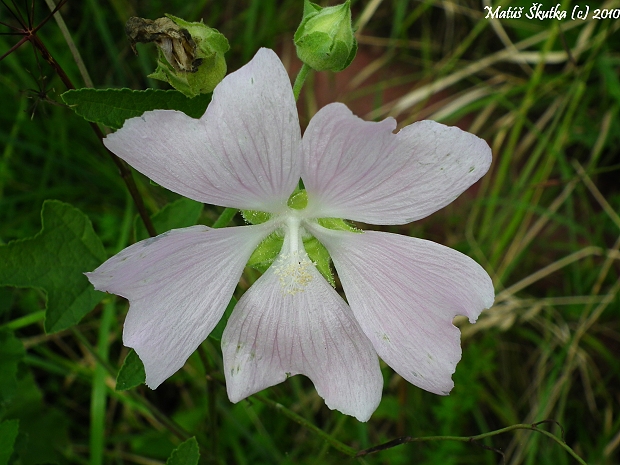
362	171
178	285
271	336
405	293
242	153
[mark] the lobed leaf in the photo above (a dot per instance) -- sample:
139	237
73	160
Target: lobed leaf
55	260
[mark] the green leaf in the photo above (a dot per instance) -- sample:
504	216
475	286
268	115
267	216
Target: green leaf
11	352
186	454
112	107
8	433
219	328
179	214
132	372
55	261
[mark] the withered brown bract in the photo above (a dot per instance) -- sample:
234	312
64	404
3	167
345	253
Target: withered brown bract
175	42
190	54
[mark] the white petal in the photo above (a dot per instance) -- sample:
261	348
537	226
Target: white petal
178	285
243	153
405	292
272	335
361	171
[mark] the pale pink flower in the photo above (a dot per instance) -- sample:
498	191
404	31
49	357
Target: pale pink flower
246	152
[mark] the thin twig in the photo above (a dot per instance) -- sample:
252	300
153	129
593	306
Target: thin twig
29	34
531	427
123	168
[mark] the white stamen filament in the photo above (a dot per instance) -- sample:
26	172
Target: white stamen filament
292	226
293	264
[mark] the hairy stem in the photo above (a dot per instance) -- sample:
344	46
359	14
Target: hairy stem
300	79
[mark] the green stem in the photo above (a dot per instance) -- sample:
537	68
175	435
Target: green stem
300	79
305	423
226	217
531	427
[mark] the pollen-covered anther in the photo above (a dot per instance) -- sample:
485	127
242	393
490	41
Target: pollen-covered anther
294	272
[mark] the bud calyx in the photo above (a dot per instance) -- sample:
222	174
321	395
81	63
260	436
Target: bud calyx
325	39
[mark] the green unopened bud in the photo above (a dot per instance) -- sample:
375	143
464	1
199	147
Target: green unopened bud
324	39
191	55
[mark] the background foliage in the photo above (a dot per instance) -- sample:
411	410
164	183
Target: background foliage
544	222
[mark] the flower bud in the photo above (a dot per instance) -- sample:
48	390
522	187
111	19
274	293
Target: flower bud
191	55
324	39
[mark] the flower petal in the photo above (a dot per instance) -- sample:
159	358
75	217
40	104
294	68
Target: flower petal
362	171
272	335
178	285
405	292
242	153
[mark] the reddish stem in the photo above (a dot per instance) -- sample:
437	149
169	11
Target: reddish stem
29	34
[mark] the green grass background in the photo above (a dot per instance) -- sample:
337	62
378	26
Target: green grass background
544	222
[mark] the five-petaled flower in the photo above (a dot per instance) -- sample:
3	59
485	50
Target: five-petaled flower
247	153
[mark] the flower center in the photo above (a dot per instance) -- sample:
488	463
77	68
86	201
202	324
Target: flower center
293	267
290	249
294	271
